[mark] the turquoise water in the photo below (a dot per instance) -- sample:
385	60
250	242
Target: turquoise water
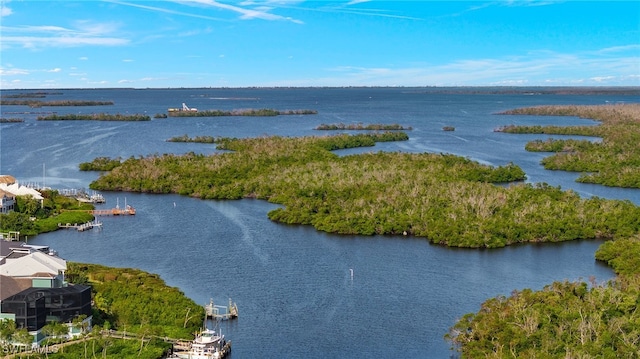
292	284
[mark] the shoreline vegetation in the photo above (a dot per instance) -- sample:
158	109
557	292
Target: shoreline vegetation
197	139
446	199
37	103
124	328
615	161
94	117
31	218
165	310
564	319
11	120
265	112
361	127
30	95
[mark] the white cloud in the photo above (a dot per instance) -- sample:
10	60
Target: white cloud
602	78
533	69
83	58
259	12
57	69
615	49
62	41
85	33
13	72
4	9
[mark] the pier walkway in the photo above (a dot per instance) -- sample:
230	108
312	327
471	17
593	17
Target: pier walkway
128	210
82	226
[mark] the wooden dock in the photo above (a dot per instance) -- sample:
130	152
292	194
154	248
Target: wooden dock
82	226
126	211
215	311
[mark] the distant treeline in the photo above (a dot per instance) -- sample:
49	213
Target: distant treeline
36	103
359	126
501	90
10	120
243	112
31	95
95	117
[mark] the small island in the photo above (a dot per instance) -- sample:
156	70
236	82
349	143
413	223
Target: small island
197	139
614	161
39	94
240	112
361	127
37	103
94	117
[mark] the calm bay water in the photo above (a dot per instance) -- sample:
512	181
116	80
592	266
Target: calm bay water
292	284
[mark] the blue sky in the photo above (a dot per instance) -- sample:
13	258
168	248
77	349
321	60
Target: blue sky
208	43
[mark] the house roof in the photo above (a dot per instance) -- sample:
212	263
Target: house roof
6	247
18	190
35	262
7	179
12	286
34	292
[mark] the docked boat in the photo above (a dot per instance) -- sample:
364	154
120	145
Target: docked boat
184	108
127	210
208	344
97	198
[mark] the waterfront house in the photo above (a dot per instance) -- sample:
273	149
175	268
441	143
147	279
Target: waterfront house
6	179
10	186
34	290
7	202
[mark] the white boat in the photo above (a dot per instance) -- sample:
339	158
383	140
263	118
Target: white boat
207	345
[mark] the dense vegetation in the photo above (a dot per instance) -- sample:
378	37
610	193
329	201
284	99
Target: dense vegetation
30	218
615	161
10	120
447	199
579	319
106	347
563	320
125	302
37	103
243	112
138	302
623	255
101	164
95	117
359	126
198	139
